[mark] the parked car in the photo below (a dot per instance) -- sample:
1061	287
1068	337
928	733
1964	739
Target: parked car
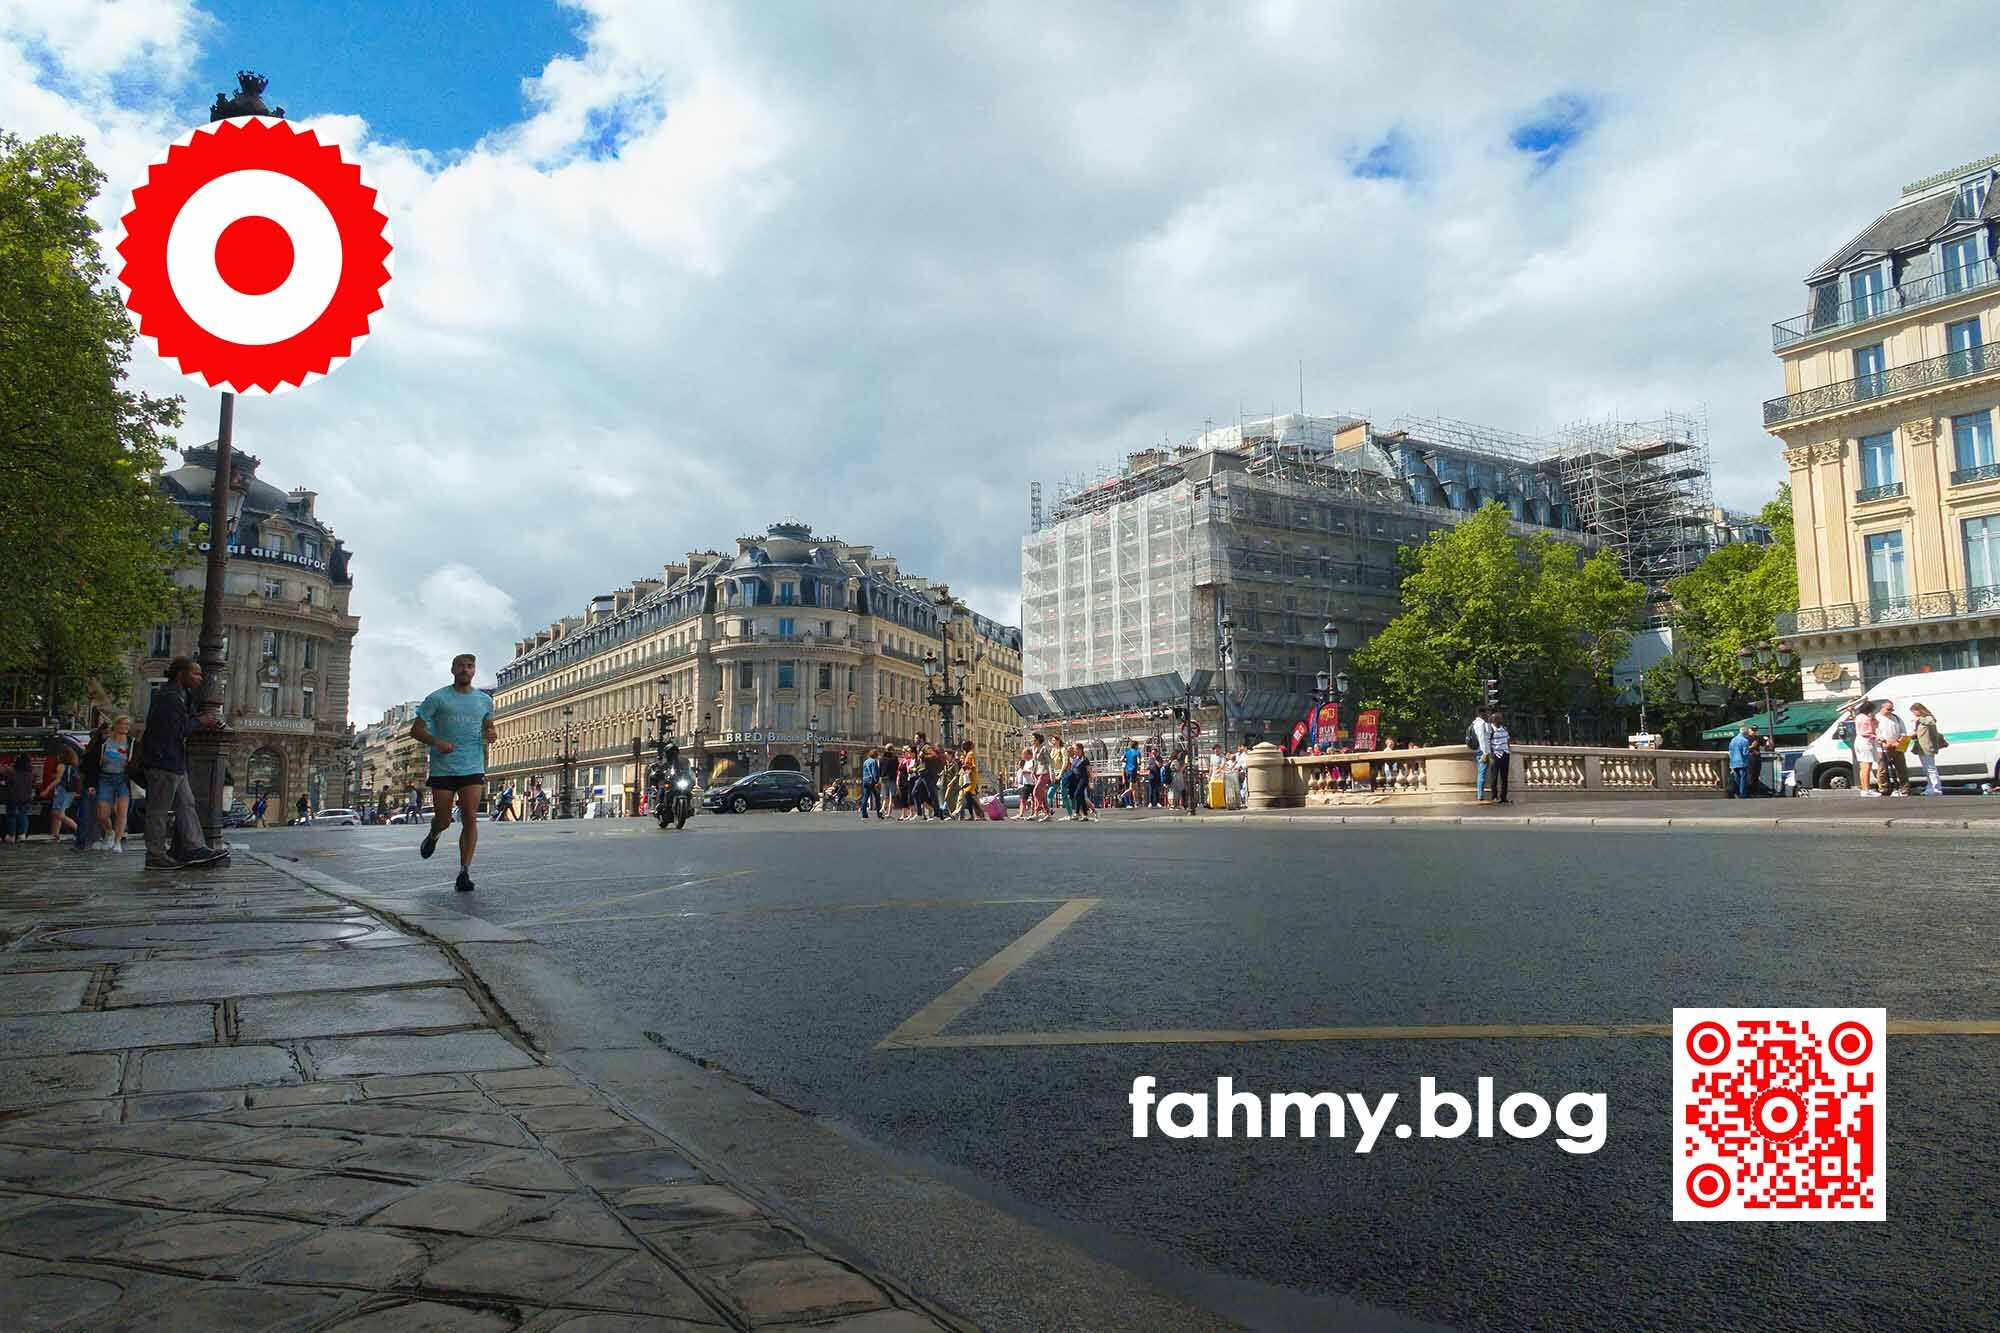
337	815
236	816
779	789
410	817
1967	705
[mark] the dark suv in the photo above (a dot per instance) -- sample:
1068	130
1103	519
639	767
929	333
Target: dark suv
779	789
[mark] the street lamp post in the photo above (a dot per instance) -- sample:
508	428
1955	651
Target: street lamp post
1329	637
206	761
569	763
812	747
1767	665
945	695
1225	653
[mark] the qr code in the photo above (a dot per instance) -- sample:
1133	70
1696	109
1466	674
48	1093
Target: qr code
1779	1115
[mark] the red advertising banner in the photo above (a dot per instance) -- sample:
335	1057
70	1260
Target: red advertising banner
1366	725
1326	725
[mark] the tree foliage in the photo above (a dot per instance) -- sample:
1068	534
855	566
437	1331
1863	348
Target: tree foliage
1733	599
1481	600
86	542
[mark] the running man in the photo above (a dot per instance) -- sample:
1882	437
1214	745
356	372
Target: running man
457	723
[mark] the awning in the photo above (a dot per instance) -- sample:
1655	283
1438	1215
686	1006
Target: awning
1801	719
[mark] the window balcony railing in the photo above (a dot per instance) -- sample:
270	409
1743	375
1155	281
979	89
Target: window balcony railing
1885	492
1955	604
1966	475
1938	287
1932	371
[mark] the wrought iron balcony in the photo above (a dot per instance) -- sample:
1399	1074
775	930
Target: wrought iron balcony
1955	604
1938	287
1884	384
1966	475
1888	492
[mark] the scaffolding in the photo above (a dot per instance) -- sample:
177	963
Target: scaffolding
1644	488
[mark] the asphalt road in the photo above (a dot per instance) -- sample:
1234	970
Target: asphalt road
786	948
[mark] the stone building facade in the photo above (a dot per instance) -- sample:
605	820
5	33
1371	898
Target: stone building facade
797	652
393	764
288	643
1888	423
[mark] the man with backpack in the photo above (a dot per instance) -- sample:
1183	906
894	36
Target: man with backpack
1479	739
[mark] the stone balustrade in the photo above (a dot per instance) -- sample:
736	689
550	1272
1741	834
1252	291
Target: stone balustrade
1449	775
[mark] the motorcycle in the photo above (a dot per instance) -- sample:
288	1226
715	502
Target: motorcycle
673	803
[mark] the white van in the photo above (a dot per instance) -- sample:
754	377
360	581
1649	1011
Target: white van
1967	705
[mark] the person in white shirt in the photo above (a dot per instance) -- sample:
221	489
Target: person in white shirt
1502	742
1482	740
1894	771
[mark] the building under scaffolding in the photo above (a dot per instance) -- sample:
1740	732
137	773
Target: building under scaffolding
1285	523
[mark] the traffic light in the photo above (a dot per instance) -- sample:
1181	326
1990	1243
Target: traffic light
1780	716
1493	692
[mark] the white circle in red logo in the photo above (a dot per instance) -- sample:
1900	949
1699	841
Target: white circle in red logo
1708	1185
1851	1043
1707	1043
255	257
1779	1114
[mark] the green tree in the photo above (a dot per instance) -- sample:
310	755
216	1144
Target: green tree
86	542
1733	599
1480	598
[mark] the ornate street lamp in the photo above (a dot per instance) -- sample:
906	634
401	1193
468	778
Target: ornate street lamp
1329	637
812	746
1766	665
568	762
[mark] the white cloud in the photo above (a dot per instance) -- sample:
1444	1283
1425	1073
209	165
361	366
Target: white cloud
879	267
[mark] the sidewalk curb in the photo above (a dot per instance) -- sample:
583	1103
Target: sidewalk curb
1752	824
912	1233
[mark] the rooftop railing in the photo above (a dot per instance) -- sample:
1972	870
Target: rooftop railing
1913	295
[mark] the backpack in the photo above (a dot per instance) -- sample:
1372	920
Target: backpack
1471	737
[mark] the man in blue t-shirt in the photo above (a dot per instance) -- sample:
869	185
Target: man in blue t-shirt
1132	774
457	723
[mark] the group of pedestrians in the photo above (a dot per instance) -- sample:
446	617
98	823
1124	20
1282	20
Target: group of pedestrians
1882	740
923	781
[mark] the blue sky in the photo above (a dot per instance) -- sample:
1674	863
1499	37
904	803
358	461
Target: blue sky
435	75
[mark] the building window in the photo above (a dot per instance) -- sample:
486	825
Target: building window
826	677
826	629
1971	198
1868	366
1864	293
308	659
1878	461
163	640
1982	552
785	676
1886	585
745	677
267	700
788	594
274	588
270	643
1962	336
1961	262
1972	437
225	645
744	714
306	702
787	627
309	547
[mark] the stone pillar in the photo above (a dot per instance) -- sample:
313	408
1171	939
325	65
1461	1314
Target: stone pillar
1274	781
1455	773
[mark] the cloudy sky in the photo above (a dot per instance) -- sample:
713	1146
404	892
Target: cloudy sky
668	273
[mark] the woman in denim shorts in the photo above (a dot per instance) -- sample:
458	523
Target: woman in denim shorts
114	788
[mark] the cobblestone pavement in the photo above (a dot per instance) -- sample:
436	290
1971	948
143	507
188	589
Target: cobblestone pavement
228	1100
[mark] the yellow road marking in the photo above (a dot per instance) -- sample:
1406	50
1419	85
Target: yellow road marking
928	1021
812	907
1898	1027
621	898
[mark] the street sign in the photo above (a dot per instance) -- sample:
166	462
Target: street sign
255	256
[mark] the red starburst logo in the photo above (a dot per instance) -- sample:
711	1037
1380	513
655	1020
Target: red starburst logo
254	256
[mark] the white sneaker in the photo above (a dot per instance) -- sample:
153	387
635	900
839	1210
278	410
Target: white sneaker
1871	792
118	846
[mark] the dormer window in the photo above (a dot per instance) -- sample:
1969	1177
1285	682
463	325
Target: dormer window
1971	197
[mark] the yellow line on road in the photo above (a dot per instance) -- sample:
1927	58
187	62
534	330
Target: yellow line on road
1898	1027
928	1021
621	898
